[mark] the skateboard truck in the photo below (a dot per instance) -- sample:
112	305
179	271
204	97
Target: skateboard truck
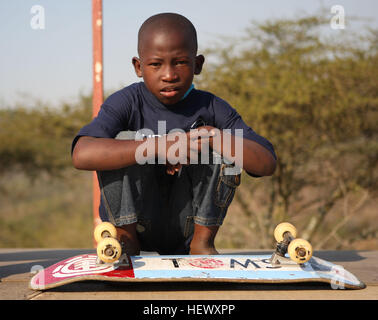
123	260
299	250
109	249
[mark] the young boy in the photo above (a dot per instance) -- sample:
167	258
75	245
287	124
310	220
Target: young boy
168	204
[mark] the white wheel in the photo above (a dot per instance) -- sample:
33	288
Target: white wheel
104	230
283	227
109	250
300	250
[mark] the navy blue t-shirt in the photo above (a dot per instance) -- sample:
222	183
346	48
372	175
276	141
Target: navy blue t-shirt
134	108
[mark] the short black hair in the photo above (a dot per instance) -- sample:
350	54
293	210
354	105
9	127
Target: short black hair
170	21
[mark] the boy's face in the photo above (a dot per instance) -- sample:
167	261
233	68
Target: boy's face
167	64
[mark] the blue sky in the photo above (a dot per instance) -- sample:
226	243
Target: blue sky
55	64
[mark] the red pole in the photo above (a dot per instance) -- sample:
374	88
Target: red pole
98	89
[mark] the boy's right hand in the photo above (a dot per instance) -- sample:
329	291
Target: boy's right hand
182	148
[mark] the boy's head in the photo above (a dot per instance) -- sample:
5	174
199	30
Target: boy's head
167	48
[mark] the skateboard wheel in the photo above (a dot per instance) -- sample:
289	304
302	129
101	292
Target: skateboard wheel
300	250
104	230
109	250
283	227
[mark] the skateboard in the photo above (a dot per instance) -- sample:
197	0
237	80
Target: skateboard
291	262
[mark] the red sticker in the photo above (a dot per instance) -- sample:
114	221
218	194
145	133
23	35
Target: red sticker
208	263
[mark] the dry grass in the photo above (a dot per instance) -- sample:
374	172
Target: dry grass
57	213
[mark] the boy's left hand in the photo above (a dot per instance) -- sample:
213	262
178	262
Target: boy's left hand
173	168
199	137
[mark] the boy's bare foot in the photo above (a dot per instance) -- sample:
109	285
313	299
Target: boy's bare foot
203	240
127	234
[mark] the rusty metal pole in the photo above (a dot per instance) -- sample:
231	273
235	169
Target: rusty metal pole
98	89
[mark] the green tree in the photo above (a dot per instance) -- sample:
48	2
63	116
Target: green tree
315	97
37	140
44	201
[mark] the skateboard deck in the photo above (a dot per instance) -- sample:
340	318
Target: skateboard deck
186	268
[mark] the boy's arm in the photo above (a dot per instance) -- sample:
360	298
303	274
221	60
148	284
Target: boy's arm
254	158
109	154
245	153
105	153
101	154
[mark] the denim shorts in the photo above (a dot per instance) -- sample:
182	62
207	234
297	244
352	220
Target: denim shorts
166	207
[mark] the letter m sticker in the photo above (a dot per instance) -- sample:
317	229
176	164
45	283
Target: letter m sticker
244	265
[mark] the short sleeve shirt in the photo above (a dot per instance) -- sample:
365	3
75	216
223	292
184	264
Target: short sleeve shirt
134	108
